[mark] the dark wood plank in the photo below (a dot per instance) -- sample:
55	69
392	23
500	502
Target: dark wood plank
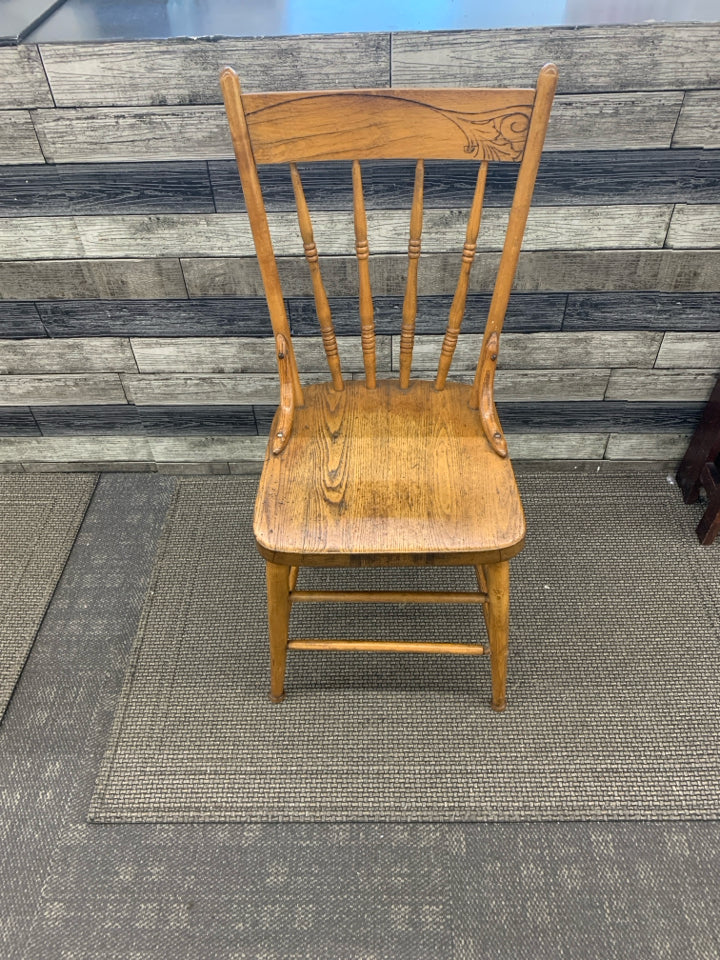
32	191
22	78
527	313
100	420
155	318
183	71
117	188
199	420
153	421
606	176
91	279
17	422
642	311
652	56
670	271
613	416
18	140
20	321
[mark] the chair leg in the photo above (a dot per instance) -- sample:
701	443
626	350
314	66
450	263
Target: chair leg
278	590
483	587
498	620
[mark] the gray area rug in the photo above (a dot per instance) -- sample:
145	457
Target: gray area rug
39	519
614	690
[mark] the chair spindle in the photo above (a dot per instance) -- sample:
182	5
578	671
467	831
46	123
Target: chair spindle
367	313
322	306
407	331
457	310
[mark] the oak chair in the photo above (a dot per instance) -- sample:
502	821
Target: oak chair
389	472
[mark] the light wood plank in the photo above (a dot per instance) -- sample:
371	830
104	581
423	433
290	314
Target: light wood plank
76	355
245	354
690	350
556	446
203	235
207	389
637	57
530	351
133	133
673	271
22	78
695	225
647	446
92	279
71	449
613	121
18	141
66	390
548	385
699	122
203	449
580	122
185	71
660	385
39	238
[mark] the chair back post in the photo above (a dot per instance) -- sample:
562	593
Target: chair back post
482	396
230	85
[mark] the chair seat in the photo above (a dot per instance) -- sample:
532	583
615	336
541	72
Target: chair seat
387	476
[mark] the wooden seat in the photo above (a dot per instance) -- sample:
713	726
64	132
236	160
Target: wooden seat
389	472
437	493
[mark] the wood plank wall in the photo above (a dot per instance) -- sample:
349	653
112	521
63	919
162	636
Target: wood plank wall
132	329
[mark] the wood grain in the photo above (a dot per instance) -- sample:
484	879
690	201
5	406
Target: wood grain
539	385
18	422
694	226
530	351
204	449
642	311
184	71
690	350
638	57
151	318
671	271
556	446
527	312
20	320
91	279
658	385
646	446
232	389
699	121
443	492
77	355
212	235
100	420
75	449
439	124
31	190
18	140
564	178
244	354
612	121
68	389
22	78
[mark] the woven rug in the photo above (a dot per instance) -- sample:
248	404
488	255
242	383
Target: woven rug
39	519
613	697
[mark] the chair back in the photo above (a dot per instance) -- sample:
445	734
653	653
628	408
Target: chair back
480	125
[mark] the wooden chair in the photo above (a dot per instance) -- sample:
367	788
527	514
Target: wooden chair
389	472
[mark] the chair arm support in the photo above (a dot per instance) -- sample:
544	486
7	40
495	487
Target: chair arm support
486	399
287	399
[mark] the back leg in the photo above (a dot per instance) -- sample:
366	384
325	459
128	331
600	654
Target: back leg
498	620
278	592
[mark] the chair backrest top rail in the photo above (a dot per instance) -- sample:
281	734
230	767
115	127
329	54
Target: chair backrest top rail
436	124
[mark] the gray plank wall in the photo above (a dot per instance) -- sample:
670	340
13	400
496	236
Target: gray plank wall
133	333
